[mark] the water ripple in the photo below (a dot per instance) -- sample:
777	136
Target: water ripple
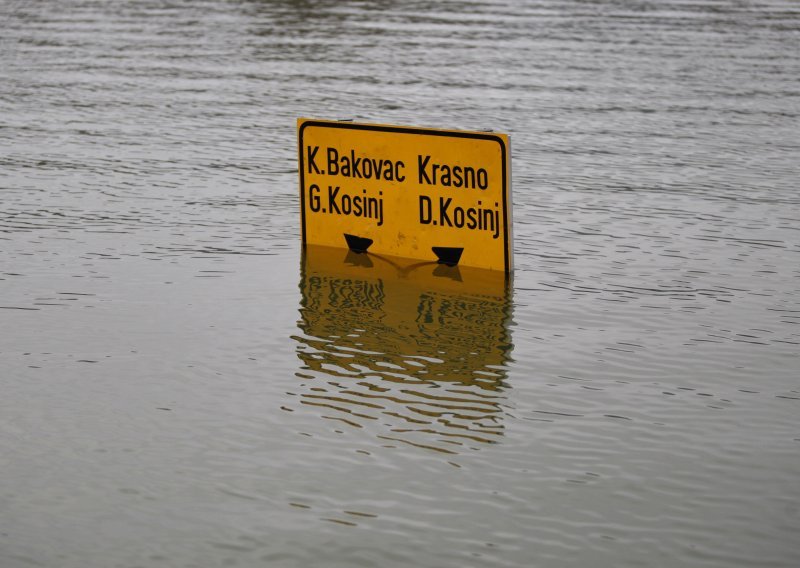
166	381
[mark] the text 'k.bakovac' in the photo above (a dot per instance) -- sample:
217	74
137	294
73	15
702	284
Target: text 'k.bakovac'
423	194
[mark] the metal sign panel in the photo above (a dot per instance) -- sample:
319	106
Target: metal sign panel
431	195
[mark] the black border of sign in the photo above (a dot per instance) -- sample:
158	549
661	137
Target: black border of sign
404	130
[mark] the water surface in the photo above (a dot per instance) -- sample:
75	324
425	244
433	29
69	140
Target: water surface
182	386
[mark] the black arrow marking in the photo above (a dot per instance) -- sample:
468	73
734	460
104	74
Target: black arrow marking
448	255
357	244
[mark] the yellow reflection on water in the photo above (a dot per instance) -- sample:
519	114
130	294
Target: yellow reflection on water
415	352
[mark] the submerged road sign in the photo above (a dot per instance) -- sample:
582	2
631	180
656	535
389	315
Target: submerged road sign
431	195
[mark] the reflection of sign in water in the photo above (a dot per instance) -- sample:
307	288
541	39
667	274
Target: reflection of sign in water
409	192
415	351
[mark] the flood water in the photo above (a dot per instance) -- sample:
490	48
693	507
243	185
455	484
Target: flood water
183	387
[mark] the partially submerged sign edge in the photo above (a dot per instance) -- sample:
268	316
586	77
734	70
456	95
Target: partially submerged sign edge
459	193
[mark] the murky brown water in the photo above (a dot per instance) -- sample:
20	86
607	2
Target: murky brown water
181	386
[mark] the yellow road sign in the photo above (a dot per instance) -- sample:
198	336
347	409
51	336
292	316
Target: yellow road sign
432	195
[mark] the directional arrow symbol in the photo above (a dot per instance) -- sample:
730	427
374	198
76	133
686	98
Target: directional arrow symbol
357	244
448	255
